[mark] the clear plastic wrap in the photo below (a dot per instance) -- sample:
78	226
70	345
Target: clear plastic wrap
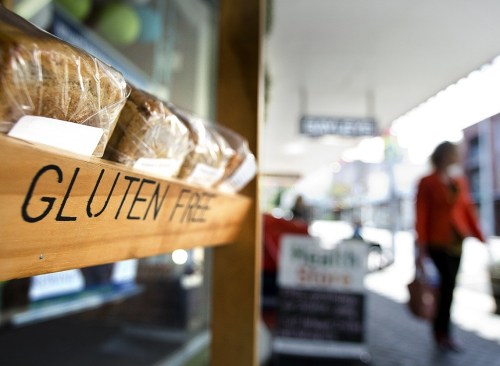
205	165
41	75
149	136
241	167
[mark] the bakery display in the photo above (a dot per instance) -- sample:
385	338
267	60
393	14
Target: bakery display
205	165
241	167
149	136
41	75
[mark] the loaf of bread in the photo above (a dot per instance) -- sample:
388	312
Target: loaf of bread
149	136
237	144
241	167
205	165
41	75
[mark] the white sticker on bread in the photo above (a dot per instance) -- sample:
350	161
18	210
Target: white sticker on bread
68	136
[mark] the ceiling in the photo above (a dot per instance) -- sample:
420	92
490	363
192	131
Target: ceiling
359	58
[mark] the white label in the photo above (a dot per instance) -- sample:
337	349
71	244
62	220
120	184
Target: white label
303	263
244	174
73	137
55	284
165	167
205	175
125	271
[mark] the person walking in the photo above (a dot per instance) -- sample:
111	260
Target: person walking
300	210
445	216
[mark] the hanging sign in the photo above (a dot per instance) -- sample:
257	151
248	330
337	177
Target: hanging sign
343	126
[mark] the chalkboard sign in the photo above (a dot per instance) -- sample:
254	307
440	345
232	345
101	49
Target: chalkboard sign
321	308
325	315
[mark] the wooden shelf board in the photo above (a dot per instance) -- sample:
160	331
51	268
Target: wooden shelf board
62	211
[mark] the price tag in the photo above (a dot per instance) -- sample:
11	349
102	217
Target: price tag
164	167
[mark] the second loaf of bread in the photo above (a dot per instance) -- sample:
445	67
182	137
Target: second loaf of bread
149	136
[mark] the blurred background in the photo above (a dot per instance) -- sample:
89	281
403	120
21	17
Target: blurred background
358	96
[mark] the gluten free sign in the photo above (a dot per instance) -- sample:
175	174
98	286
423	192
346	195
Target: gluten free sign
75	196
60	211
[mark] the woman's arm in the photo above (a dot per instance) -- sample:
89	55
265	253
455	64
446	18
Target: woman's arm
422	214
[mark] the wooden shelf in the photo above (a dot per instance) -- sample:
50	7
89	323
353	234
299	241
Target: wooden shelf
62	211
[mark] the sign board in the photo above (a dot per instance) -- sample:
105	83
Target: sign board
322	301
93	212
343	126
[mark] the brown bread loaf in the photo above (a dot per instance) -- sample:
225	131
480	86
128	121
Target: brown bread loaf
206	163
41	75
147	128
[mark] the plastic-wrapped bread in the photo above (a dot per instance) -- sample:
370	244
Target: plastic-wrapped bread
241	167
205	165
41	75
241	176
149	136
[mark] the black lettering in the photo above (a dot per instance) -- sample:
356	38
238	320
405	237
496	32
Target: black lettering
50	200
137	198
158	205
131	180
188	212
177	204
89	203
204	208
60	216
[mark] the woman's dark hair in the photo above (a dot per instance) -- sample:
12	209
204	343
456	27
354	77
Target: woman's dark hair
440	152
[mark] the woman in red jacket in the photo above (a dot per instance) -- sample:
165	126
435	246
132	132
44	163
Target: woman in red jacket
444	217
